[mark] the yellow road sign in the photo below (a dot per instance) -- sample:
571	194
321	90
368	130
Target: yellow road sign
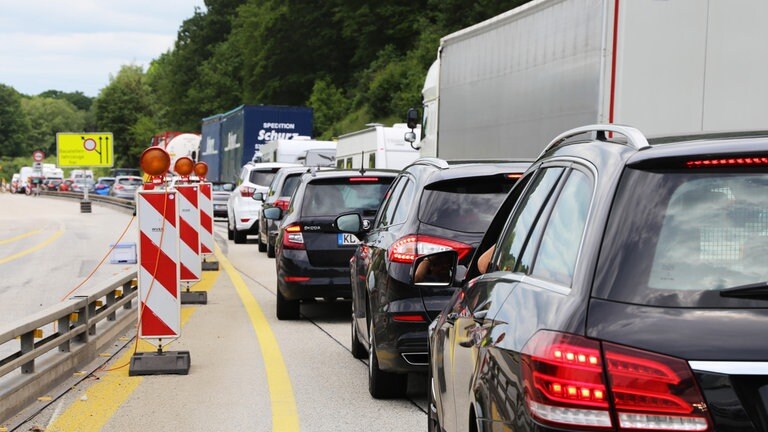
75	149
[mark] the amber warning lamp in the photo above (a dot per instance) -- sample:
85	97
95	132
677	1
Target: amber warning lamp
183	167
155	162
201	170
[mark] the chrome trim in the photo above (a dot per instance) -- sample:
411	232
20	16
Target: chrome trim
635	138
412	363
731	367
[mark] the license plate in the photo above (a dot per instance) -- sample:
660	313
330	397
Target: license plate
345	239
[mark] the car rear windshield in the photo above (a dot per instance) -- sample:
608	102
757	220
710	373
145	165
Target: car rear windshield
677	238
262	177
130	181
289	186
465	204
330	197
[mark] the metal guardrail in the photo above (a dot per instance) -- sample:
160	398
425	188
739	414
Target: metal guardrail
116	202
81	327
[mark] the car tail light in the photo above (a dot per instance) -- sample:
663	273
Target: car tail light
296	278
408	248
247	192
282	204
565	386
292	237
409	317
728	162
119	187
363	179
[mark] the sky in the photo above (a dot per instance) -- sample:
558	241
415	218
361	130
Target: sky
75	45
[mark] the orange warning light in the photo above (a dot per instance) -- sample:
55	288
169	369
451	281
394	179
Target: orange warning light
155	161
201	169
184	166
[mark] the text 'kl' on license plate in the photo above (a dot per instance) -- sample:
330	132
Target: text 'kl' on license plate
347	239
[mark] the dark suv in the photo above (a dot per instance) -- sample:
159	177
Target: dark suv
278	195
434	205
312	257
627	290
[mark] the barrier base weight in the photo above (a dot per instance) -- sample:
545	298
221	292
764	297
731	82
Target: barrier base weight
210	265
165	363
194	297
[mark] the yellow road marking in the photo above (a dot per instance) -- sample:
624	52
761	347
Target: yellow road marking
285	417
115	386
19	237
35	248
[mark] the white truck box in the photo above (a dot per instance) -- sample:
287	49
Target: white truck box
510	84
289	150
377	147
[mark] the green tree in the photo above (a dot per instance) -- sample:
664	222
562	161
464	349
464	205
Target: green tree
13	123
329	106
47	117
119	107
78	99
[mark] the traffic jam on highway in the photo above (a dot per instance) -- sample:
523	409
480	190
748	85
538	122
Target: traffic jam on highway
587	256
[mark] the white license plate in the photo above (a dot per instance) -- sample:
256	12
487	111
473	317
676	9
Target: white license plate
347	239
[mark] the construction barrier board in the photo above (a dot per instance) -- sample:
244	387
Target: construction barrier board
206	218
189	232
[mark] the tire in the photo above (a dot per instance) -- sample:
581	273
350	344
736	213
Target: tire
357	348
240	236
286	309
262	246
230	231
383	385
270	250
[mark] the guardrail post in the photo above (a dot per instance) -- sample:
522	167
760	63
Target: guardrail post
110	301
91	312
128	287
63	328
82	318
28	345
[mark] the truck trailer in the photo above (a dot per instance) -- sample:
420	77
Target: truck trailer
506	86
230	140
289	150
376	147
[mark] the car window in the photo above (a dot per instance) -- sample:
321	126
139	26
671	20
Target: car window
262	177
390	202
290	184
465	204
530	207
676	238
561	240
404	203
334	196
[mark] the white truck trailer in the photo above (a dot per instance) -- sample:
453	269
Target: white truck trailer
289	150
376	147
508	85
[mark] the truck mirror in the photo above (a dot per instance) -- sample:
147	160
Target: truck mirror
412	118
410	137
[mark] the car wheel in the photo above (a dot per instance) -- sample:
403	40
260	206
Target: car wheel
357	348
382	385
240	236
262	246
270	250
286	309
230	231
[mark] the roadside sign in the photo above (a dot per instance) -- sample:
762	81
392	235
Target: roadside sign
75	149
38	156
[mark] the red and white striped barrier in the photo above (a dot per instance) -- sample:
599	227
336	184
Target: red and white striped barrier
206	219
189	237
159	297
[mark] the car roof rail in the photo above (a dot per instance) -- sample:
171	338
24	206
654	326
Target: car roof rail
635	138
440	163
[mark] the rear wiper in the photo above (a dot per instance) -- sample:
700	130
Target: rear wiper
756	290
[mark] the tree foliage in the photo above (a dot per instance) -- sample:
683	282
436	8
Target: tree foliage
46	117
13	123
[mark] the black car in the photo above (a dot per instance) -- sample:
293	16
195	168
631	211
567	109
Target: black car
434	205
312	257
279	195
626	291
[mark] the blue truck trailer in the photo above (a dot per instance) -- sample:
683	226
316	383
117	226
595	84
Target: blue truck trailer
230	140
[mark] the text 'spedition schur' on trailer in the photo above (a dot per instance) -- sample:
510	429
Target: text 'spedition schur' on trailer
376	147
244	129
505	86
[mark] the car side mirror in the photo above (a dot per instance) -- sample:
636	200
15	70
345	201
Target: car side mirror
350	223
273	213
258	196
435	270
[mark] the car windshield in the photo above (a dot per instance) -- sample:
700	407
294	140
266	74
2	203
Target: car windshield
330	197
223	187
262	177
466	204
676	239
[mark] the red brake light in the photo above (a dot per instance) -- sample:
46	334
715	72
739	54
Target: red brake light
119	187
282	204
408	248
296	278
727	162
514	176
292	237
363	179
564	386
247	192
409	318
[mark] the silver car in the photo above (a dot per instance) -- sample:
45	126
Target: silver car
125	187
